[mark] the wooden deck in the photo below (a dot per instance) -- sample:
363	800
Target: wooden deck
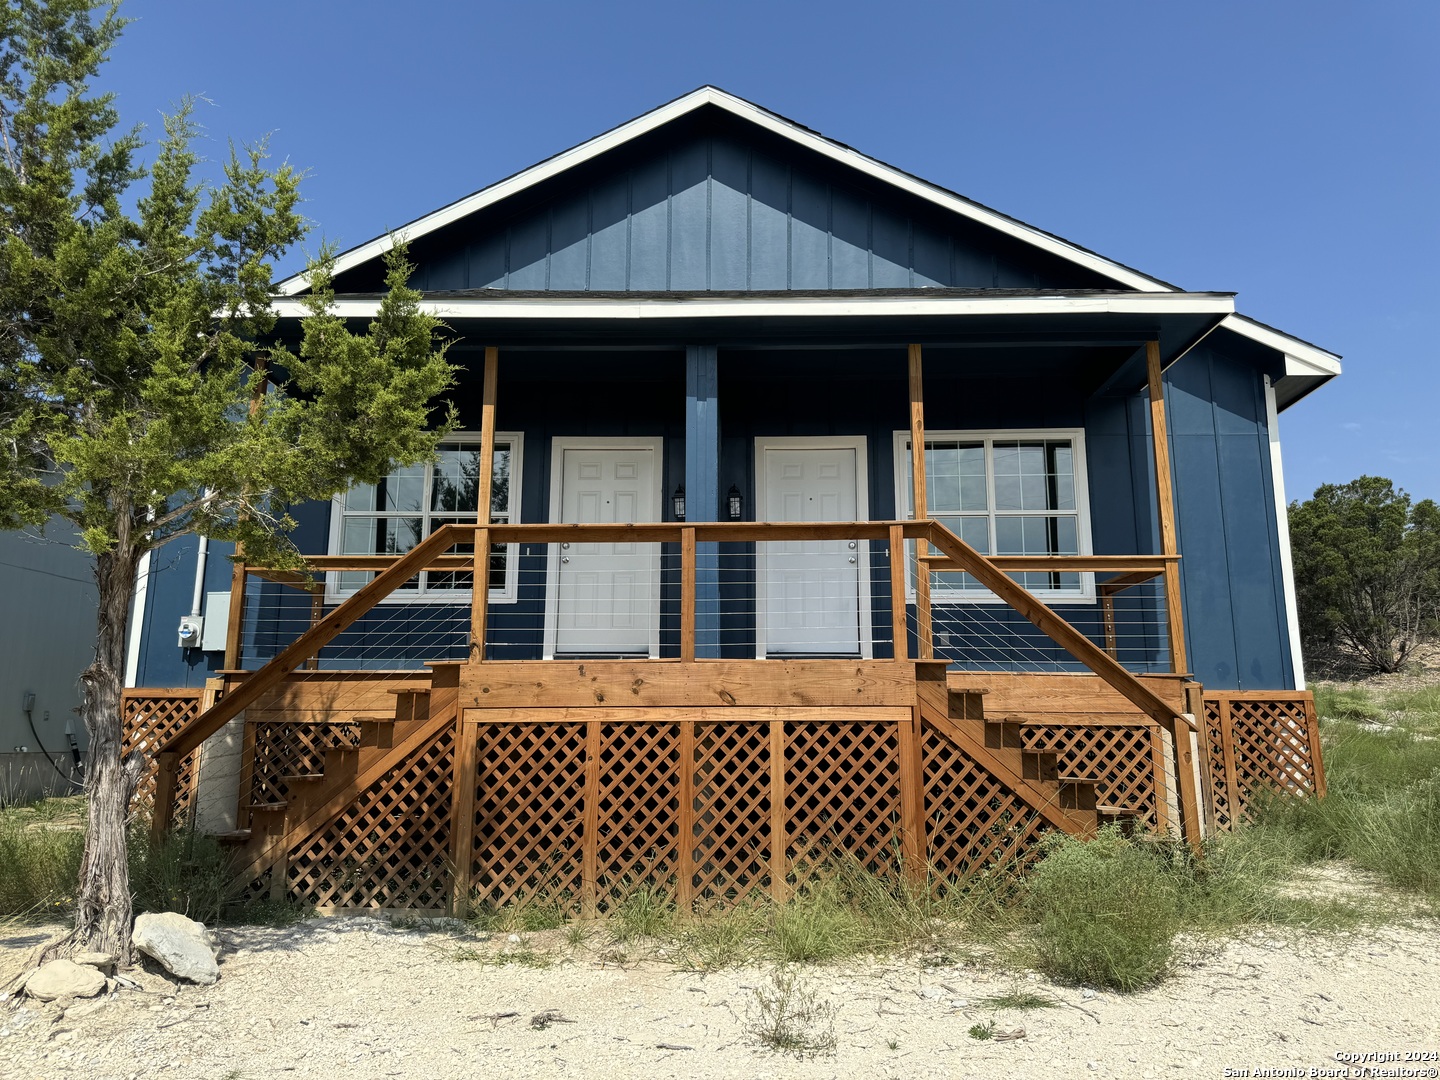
493	783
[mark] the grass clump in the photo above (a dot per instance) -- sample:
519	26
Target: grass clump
1103	912
1017	1000
1382	810
184	871
644	909
788	1017
39	862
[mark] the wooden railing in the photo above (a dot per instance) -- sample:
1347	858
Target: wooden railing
951	554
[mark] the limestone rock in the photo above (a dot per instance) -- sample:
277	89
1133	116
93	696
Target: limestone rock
101	960
180	945
64	978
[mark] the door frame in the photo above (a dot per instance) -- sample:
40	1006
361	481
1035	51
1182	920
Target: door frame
558	445
859	444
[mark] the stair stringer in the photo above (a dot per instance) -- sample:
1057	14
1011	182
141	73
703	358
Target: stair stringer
1003	763
317	811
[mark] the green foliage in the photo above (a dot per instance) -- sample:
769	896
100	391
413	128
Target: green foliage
1382	809
1367	571
1104	912
642	910
185	872
141	393
39	863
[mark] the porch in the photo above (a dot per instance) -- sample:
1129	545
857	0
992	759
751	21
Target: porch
483	780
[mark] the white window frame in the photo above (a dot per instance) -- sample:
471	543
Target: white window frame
507	595
904	506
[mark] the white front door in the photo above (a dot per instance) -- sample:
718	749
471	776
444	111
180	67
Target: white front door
810	591
604	599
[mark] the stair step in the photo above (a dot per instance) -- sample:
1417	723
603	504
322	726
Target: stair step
302	778
232	838
1042	765
409	690
1130	819
965	704
1077	793
259	807
1003	734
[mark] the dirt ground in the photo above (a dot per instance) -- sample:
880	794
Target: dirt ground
357	997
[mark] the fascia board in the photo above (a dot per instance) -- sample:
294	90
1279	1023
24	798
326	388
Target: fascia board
630	310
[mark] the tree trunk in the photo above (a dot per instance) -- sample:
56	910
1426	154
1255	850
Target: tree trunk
103	910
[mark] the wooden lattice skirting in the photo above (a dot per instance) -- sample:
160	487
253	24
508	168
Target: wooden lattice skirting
1260	742
149	717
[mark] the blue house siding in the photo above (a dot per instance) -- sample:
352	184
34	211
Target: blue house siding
1233	586
713	209
169	589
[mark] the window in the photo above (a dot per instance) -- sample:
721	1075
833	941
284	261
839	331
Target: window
391	517
1004	493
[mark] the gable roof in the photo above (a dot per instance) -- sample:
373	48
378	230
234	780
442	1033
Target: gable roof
1308	360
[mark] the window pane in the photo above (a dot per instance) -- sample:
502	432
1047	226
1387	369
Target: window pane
954	477
457	479
403	490
500	484
1035	475
360	497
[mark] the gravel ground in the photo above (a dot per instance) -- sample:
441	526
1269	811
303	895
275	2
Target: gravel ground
356	997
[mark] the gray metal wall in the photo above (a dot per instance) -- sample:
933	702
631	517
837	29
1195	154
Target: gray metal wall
47	635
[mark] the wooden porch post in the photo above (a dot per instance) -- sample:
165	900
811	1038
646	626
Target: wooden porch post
1165	505
480	587
921	509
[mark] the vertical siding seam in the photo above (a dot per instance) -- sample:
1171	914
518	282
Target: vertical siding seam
1224	516
749	219
869	244
505	268
589	235
910	251
709	209
789	227
669	218
830	235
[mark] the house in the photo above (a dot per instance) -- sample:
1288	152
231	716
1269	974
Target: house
818	508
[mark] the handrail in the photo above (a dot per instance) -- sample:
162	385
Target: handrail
310	642
983	570
954	555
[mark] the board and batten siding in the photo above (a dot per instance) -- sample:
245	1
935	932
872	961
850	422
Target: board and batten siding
715	211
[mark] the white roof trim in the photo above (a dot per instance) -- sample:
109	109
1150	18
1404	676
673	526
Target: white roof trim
1319	361
620	308
709	95
1301	358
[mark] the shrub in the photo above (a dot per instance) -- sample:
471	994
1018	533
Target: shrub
1104	912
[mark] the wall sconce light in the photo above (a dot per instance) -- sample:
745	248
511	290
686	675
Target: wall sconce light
677	503
735	503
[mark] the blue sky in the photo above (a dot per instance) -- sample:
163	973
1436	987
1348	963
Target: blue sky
1286	151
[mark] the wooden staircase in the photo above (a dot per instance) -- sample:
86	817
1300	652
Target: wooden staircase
314	800
996	742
